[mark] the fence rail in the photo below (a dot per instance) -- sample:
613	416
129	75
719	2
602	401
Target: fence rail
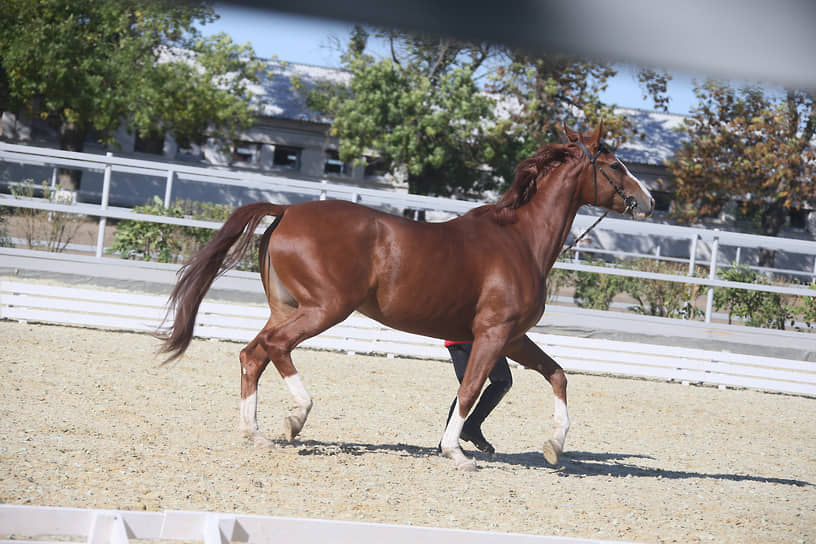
358	334
48	525
109	164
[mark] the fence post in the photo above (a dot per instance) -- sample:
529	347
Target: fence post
323	192
106	181
712	274
168	188
693	254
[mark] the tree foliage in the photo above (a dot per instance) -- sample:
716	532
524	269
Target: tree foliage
419	110
539	94
750	145
459	116
88	66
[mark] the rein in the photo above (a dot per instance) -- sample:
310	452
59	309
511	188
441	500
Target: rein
630	201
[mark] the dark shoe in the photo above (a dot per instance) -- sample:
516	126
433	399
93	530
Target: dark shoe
475	437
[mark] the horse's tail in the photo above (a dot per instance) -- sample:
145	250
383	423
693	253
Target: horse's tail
194	278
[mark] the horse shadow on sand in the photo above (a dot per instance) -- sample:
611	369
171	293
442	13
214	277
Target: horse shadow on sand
577	464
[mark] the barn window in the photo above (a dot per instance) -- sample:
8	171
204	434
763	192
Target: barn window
334	165
286	157
246	154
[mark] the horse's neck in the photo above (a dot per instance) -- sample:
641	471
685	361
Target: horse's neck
548	217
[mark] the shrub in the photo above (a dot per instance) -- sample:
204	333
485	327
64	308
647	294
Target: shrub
755	308
558	279
805	309
596	291
657	297
170	243
5	241
53	230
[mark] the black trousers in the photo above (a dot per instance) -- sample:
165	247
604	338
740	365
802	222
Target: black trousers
460	353
500	382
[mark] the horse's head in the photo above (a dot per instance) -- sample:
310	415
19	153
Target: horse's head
605	180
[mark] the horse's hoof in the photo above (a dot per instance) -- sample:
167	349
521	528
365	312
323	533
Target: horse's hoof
261	441
462	461
291	428
466	465
551	452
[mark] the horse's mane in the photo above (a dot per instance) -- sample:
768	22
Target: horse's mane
524	185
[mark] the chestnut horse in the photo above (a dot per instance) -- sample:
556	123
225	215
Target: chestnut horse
479	277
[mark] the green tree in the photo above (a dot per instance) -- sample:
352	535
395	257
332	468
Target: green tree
539	94
459	116
88	66
749	145
419	110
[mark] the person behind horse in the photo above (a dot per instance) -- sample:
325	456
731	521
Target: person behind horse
500	382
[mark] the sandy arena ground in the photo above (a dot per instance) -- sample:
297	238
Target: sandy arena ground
88	418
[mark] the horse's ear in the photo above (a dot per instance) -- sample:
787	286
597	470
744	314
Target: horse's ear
597	136
572	135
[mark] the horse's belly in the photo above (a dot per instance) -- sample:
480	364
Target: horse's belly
449	327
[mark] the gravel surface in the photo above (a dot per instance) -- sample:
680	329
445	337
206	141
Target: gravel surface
88	418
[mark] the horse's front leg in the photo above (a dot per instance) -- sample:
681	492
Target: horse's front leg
482	359
525	352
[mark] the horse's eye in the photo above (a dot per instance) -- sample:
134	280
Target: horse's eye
616	166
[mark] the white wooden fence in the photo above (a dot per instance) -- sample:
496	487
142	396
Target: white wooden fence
358	334
110	165
48	525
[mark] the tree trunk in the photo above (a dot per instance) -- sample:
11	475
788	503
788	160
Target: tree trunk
418	185
72	138
771	223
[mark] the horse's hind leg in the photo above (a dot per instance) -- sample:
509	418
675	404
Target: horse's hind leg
277	343
525	352
253	362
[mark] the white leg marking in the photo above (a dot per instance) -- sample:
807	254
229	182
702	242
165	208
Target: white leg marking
298	390
553	447
562	422
249	409
450	441
293	423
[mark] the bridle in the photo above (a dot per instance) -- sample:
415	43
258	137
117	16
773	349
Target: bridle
630	201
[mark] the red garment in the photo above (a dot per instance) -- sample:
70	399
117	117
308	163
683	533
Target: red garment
454	342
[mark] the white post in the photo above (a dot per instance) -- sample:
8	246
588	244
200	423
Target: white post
693	254
712	274
739	254
168	188
323	193
106	181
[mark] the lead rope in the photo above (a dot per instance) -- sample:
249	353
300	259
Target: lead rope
592	226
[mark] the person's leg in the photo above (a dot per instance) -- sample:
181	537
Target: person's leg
459	354
500	382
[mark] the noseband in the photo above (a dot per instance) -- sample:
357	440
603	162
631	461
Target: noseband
630	201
